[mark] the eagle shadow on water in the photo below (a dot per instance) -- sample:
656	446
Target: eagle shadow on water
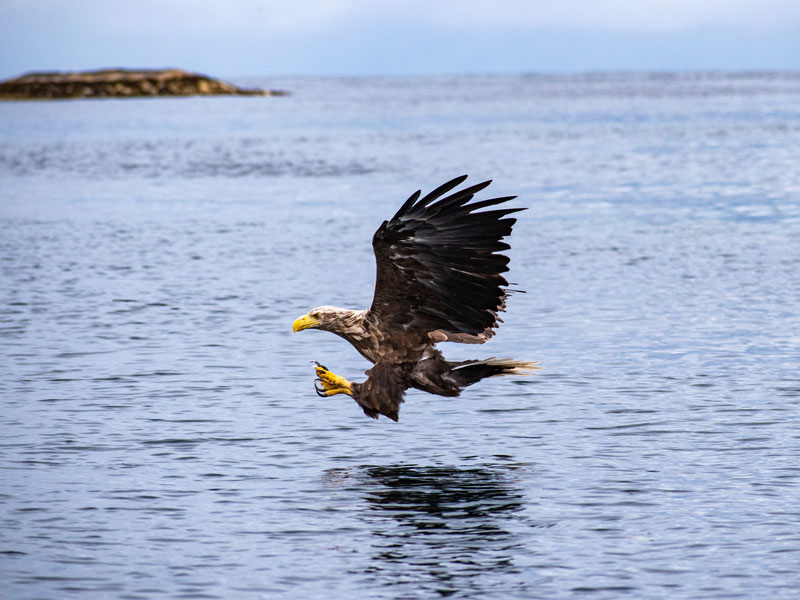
439	279
441	529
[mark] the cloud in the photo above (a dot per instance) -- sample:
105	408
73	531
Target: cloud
626	15
242	37
281	17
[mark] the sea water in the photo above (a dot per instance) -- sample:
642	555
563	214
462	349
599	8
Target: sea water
159	432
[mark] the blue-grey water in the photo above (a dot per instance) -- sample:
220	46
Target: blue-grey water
159	432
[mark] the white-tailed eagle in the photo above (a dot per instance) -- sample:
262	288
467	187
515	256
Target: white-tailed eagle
439	279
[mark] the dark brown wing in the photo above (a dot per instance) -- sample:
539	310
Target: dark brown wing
439	267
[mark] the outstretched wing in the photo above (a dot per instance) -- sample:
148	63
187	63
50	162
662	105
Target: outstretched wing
439	267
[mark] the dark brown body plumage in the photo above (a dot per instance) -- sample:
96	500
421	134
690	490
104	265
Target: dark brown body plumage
439	278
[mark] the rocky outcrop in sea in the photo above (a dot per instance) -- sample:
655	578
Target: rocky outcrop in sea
120	83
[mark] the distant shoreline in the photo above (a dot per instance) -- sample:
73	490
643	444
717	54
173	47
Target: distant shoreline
121	83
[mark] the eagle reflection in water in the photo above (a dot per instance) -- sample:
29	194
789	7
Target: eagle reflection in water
442	528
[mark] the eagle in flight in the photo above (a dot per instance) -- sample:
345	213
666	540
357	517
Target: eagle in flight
438	280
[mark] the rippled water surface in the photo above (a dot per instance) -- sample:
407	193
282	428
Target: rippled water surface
159	433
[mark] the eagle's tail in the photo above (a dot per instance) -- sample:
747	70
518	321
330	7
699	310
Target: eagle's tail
471	371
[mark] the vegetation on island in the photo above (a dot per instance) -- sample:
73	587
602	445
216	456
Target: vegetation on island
120	83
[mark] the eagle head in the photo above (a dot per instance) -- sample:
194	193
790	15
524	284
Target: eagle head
329	318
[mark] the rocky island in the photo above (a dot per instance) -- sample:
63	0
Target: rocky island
120	83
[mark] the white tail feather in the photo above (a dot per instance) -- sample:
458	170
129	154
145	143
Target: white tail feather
510	366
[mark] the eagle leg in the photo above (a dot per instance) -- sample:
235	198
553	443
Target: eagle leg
330	384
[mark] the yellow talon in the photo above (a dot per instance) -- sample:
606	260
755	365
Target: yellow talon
331	384
333	392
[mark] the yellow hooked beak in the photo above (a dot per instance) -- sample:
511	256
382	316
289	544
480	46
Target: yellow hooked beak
304	322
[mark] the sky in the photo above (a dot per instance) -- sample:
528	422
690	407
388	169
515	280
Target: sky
240	38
